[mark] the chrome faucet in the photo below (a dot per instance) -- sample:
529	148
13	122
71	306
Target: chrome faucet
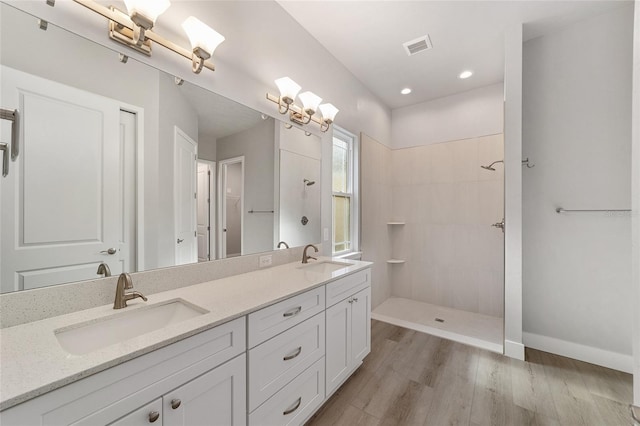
282	243
305	256
125	283
103	269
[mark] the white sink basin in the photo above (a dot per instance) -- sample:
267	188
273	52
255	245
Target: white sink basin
325	267
89	336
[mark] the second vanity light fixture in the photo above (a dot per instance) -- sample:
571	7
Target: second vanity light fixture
310	105
135	30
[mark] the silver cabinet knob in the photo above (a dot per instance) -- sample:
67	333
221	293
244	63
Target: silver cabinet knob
153	416
175	403
355	299
109	251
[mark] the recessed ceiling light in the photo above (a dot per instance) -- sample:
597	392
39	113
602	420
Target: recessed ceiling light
405	91
465	74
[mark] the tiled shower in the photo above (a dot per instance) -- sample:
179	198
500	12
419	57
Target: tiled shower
444	258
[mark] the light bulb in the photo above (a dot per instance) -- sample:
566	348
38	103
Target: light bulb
288	89
328	112
310	102
202	36
150	9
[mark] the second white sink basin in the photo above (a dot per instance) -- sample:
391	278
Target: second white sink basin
87	337
325	266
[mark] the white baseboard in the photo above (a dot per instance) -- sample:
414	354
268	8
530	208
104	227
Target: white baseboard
514	350
580	352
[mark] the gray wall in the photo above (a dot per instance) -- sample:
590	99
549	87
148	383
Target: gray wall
257	146
577	131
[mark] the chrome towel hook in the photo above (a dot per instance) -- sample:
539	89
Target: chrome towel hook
6	114
525	162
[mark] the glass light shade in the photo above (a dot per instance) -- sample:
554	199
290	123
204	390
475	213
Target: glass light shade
150	9
288	88
201	35
328	112
310	101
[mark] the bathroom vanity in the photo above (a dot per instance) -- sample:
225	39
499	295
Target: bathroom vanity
262	348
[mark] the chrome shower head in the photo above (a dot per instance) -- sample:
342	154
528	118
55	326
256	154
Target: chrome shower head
490	166
309	182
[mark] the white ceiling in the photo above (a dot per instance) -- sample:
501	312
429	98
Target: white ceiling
367	37
218	116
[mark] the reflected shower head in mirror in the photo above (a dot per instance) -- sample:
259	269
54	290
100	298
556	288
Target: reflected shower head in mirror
309	182
490	166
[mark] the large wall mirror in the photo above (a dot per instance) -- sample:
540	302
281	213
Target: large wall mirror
122	165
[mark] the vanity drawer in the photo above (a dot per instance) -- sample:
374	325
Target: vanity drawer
344	287
293	404
277	361
281	316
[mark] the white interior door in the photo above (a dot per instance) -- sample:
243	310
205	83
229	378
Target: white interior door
60	200
206	185
231	207
185	198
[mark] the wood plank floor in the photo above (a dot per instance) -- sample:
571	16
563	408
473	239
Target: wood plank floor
411	378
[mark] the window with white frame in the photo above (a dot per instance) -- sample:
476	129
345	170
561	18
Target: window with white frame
344	187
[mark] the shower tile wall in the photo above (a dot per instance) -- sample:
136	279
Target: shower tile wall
375	195
454	257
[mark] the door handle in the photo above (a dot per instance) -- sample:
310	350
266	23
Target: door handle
109	251
499	225
7	114
5	159
180	240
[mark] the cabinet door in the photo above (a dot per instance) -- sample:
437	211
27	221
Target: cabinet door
338	355
217	398
143	416
360	326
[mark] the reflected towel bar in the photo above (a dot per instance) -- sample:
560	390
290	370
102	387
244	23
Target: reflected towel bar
561	210
260	211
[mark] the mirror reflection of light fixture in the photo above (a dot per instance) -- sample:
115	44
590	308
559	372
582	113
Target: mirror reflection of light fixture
134	30
310	104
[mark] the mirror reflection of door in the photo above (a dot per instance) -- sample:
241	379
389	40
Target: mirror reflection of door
74	212
231	204
206	228
185	200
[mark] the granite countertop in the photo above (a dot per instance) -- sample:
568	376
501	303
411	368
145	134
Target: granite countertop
32	362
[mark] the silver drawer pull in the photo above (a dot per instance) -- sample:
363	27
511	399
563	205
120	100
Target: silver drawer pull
295	406
293	355
292	312
175	403
355	299
153	416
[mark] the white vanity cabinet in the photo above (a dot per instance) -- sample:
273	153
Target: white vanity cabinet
286	365
348	330
274	366
207	372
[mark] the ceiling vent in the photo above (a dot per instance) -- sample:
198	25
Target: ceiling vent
418	45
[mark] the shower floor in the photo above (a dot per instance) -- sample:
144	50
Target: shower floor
478	330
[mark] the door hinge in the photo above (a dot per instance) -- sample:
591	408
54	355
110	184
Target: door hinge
208	228
195	233
195	195
209	172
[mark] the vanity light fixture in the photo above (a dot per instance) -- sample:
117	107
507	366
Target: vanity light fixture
134	30
310	105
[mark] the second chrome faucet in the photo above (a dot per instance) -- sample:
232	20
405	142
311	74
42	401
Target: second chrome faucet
305	256
125	283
